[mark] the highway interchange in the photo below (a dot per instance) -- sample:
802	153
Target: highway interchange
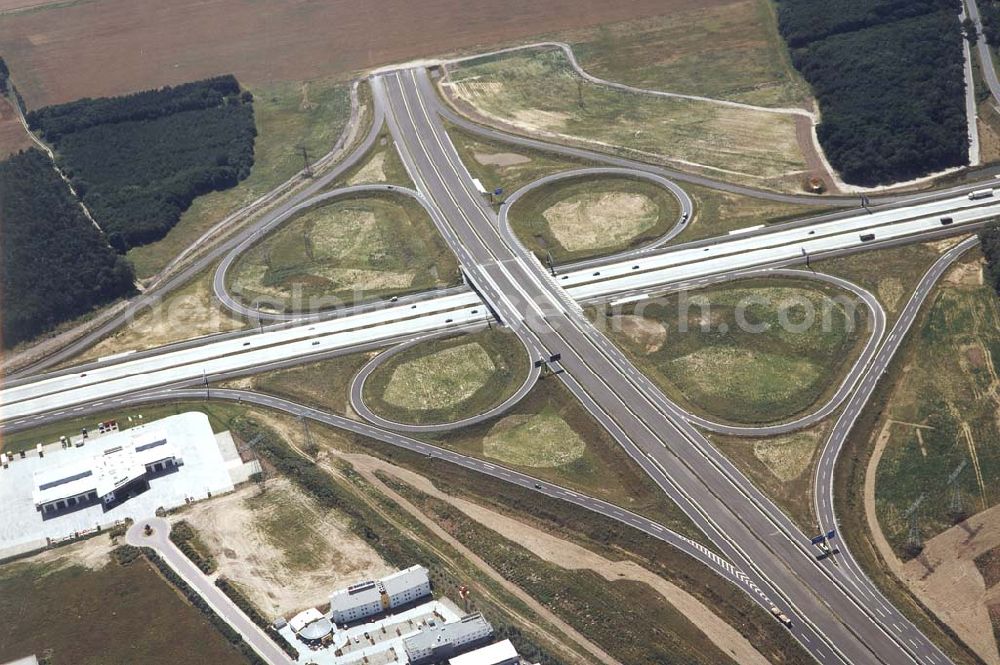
838	615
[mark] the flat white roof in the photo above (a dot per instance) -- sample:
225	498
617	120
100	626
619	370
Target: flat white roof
356	595
368	591
411	578
303	619
489	655
118	459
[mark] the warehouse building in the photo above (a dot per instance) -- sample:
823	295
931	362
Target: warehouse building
371	597
118	469
441	641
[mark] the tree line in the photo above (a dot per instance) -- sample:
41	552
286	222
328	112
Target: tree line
56	264
805	21
889	78
989	242
138	161
989	15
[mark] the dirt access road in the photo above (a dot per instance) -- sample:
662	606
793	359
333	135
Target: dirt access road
944	577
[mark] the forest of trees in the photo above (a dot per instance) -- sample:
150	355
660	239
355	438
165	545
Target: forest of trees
889	78
989	14
139	161
989	241
56	264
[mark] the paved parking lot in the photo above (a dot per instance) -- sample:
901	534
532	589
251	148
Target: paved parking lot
204	472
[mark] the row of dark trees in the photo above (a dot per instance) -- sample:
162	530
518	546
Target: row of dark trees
889	78
139	161
803	22
56	264
989	241
989	14
55	121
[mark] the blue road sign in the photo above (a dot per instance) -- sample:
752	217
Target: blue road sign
829	535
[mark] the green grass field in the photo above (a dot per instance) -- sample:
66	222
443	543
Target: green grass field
289	115
67	613
716	213
537	92
542	440
550	435
346	251
585	217
448	379
891	276
504	165
782	466
324	384
725	51
754	351
381	165
942	413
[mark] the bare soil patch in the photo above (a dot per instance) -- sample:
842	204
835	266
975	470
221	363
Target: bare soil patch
945	576
503	159
92	553
13	137
608	219
280	547
373	171
966	273
788	456
110	47
644	333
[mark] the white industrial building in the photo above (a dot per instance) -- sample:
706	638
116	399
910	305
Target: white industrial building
500	653
445	640
371	597
123	462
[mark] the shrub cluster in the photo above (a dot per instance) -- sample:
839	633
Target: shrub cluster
56	264
184	536
139	161
889	78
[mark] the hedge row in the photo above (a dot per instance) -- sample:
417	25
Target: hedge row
126	554
184	537
254	614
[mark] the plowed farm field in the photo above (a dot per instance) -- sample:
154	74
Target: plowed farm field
62	52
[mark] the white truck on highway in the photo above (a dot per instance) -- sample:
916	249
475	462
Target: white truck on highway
781	616
980	194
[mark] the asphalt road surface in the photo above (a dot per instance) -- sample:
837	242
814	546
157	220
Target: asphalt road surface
987	67
159	540
747	527
837	613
